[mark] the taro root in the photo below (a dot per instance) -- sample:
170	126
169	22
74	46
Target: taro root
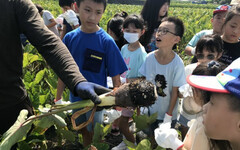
137	93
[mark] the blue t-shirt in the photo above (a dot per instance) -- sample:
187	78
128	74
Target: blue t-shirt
133	60
96	55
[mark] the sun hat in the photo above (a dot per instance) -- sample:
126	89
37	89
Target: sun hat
221	8
227	81
235	2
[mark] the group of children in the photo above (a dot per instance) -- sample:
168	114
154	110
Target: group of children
122	53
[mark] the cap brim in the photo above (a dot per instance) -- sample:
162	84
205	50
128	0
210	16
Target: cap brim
218	11
207	83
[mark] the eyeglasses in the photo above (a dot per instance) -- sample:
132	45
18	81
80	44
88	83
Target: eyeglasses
209	56
164	31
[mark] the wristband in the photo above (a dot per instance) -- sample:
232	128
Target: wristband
55	100
181	146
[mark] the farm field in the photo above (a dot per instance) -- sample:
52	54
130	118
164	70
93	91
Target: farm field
41	82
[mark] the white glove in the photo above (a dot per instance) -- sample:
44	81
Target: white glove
193	50
167	138
167	118
112	115
61	102
71	17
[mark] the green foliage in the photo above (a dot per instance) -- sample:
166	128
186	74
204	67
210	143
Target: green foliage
144	121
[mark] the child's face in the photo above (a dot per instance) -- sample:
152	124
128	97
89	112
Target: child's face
90	14
132	29
231	31
217	22
207	56
219	121
163	10
165	35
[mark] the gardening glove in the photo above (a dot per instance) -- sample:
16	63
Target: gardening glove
61	102
71	17
90	90
112	115
167	118
167	138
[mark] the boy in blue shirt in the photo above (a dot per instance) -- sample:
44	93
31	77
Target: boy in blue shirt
96	54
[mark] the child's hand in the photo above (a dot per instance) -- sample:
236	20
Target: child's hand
167	138
71	17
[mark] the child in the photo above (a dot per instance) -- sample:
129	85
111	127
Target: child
48	18
231	34
217	21
70	21
134	55
165	69
196	138
153	11
208	48
96	54
114	28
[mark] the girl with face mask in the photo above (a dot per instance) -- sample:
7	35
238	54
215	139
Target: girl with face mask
134	55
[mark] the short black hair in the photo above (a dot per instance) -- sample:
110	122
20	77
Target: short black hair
134	19
63	3
104	2
39	7
212	43
179	26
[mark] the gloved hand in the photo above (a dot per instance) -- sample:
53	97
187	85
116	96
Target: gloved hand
112	115
166	137
71	17
87	90
167	118
60	102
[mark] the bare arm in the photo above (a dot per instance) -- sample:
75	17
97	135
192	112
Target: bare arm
64	30
116	81
60	89
188	50
53	23
173	100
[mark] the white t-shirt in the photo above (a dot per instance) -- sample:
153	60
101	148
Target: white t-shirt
188	71
165	77
47	16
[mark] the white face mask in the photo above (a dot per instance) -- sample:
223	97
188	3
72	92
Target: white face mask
131	37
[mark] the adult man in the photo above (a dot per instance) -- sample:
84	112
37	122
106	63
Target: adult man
21	16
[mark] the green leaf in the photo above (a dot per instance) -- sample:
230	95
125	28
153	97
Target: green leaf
42	99
144	121
98	133
39	76
144	144
17	132
69	135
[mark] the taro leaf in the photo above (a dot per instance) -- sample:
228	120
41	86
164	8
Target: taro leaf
50	120
69	135
144	144
39	76
29	58
42	98
130	145
101	146
100	132
144	121
17	132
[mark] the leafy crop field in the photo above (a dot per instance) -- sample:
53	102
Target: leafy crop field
41	82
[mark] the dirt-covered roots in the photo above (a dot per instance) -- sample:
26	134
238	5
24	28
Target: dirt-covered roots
137	93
